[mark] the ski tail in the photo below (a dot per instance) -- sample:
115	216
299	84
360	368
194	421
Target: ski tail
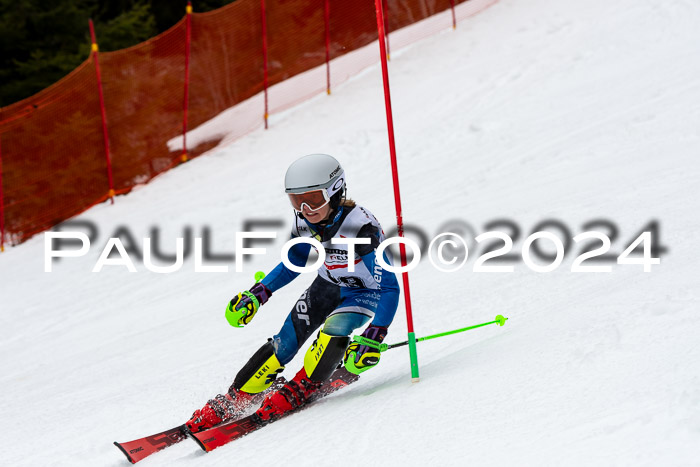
124	451
139	449
219	435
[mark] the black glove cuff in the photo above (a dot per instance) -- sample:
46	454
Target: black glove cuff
376	333
261	292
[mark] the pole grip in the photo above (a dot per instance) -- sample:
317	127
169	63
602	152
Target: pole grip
370	343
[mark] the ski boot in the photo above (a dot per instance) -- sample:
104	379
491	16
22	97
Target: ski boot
221	408
292	395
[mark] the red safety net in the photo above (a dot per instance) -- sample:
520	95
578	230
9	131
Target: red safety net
143	94
53	163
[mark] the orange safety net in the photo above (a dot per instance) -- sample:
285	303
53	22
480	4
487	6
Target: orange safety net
143	94
53	163
226	63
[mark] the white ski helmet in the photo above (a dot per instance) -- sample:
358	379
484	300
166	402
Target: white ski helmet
315	180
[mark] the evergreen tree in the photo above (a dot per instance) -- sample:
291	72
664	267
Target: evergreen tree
41	44
44	40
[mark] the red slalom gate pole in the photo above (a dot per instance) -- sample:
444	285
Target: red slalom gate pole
185	105
385	11
264	43
95	50
454	18
2	206
327	21
397	193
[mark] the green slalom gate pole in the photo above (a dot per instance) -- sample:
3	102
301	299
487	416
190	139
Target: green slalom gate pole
500	320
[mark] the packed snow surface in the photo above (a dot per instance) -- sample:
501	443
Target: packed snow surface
531	110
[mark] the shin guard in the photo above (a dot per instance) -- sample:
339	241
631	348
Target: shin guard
324	355
260	371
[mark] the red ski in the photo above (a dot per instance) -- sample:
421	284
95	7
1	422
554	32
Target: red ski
226	432
139	449
144	447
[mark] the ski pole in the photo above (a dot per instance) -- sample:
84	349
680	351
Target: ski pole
384	347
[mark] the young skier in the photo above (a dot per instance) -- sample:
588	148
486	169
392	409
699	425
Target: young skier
339	298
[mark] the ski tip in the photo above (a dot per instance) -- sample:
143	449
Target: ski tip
121	448
501	320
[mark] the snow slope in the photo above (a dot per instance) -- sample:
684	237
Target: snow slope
531	110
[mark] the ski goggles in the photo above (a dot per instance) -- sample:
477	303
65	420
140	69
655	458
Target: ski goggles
314	200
